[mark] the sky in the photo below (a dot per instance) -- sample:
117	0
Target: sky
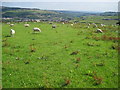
60	0
71	5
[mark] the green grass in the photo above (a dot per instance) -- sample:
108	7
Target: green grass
51	65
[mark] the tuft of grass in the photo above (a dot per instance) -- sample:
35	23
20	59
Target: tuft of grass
32	48
43	60
75	53
97	80
78	60
66	82
5	44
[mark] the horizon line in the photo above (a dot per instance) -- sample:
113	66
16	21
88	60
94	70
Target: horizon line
59	9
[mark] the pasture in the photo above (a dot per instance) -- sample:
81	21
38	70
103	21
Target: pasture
62	57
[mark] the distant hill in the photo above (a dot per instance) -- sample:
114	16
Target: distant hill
13	12
34	13
109	14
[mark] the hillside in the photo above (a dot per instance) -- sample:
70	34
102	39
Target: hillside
10	12
16	13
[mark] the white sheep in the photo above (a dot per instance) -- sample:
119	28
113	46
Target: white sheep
12	32
99	31
11	25
94	25
102	25
50	23
88	24
8	23
36	29
53	26
72	24
26	25
37	20
88	27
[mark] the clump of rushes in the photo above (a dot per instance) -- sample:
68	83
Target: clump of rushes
71	41
27	62
78	33
78	60
7	36
104	37
76	65
97	80
5	39
114	46
55	43
74	53
99	64
90	44
90	73
65	46
96	38
5	44
32	49
118	49
66	82
87	37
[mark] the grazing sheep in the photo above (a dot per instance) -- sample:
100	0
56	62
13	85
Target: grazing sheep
72	24
12	32
36	29
50	23
26	25
87	27
37	20
8	22
94	25
11	25
102	25
53	26
63	23
99	31
88	24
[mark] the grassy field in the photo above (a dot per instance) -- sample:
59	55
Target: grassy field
64	57
99	19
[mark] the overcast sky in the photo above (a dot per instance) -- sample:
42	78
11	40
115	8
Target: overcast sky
60	0
72	5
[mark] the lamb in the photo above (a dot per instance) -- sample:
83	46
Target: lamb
26	25
36	29
53	26
99	31
12	32
11	25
